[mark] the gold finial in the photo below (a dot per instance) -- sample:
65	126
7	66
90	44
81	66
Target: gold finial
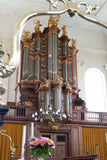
53	21
26	35
37	28
64	30
73	43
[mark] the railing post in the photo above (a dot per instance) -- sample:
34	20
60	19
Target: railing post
27	111
100	117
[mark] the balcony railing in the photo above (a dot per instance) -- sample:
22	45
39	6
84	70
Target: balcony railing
23	113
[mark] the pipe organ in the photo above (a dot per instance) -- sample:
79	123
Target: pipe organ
48	68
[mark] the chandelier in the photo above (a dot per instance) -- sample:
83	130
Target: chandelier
55	118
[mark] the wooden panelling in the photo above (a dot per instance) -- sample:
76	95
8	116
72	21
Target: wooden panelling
15	131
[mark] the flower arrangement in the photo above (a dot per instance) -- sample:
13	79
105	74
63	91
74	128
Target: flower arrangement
41	147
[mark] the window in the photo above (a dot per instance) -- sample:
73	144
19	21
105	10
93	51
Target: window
60	138
95	90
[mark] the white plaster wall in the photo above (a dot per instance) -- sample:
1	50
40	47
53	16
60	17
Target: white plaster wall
90	58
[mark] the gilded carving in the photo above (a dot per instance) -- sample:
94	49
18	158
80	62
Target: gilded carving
78	107
26	35
68	86
53	21
28	103
37	28
64	30
45	84
57	80
55	125
73	43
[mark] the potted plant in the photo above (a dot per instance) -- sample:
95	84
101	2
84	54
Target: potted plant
40	147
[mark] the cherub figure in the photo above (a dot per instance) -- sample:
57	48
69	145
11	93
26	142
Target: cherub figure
26	35
64	30
37	28
73	43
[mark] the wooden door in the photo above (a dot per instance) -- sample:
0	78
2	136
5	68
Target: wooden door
61	144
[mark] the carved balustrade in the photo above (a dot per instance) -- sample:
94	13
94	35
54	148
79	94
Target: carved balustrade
24	113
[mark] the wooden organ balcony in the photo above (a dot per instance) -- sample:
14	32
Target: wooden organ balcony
80	119
24	113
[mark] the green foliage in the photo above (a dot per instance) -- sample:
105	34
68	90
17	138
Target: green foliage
40	147
41	151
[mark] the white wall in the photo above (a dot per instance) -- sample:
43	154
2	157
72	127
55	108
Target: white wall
90	58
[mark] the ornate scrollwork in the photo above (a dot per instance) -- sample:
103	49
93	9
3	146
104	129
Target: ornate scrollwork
53	20
6	70
89	7
12	148
44	84
28	103
57	80
68	86
55	126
